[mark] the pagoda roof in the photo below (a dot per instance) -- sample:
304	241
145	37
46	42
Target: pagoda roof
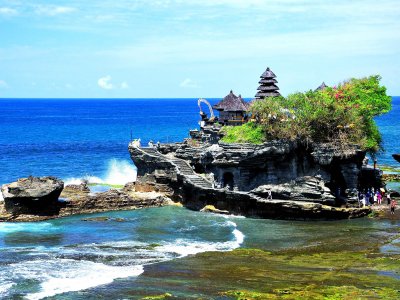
269	80
231	102
268	74
268	88
321	87
263	94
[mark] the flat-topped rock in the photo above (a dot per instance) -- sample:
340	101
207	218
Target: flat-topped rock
32	195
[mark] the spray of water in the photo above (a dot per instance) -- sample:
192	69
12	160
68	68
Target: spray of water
119	172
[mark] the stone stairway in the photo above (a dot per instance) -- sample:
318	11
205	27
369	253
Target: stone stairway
188	172
183	168
151	151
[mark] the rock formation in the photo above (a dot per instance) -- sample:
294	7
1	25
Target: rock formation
306	181
26	201
37	195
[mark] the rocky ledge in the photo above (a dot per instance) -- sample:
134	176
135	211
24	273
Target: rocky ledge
36	199
279	179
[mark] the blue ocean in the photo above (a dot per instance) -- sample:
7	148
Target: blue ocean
132	254
85	137
75	138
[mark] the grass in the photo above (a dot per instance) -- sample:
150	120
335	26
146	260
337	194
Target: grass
247	133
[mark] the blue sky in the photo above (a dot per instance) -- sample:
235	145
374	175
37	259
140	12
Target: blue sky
198	48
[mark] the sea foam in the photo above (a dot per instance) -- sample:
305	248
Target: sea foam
182	247
74	276
119	172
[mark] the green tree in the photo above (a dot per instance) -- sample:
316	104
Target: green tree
343	115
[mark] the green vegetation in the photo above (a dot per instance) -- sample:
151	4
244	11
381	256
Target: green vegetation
247	133
158	297
342	115
311	274
115	186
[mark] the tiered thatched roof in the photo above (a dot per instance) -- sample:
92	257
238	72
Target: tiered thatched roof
268	87
231	102
321	87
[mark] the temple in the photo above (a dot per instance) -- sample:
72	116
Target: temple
321	87
268	87
232	110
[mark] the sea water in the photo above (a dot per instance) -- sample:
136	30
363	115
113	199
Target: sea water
82	257
88	138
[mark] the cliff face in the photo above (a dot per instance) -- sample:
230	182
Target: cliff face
245	167
242	178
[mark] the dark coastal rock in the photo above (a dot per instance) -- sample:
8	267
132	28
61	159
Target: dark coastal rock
75	190
113	199
32	195
77	199
307	188
198	177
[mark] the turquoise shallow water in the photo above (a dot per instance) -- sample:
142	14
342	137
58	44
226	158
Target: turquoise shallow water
64	257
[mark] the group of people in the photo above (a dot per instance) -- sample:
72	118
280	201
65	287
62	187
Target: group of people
376	197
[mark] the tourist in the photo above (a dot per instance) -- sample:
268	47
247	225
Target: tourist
388	198
360	198
392	206
379	197
151	144
269	195
371	197
364	200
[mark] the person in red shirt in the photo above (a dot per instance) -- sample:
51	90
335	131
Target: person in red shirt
393	204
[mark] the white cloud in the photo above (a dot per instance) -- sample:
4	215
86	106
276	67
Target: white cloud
6	11
104	83
54	10
124	85
3	84
188	83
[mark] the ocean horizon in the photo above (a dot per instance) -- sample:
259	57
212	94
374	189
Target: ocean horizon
88	138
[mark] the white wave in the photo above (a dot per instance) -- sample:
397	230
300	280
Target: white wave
4	288
65	275
78	267
119	172
184	248
239	237
30	227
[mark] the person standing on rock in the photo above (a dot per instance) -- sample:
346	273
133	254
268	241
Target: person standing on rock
379	197
392	206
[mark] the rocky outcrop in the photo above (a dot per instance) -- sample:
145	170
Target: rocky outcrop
37	195
114	199
275	166
307	188
77	199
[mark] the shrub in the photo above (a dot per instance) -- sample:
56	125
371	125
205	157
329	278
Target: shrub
342	115
247	133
